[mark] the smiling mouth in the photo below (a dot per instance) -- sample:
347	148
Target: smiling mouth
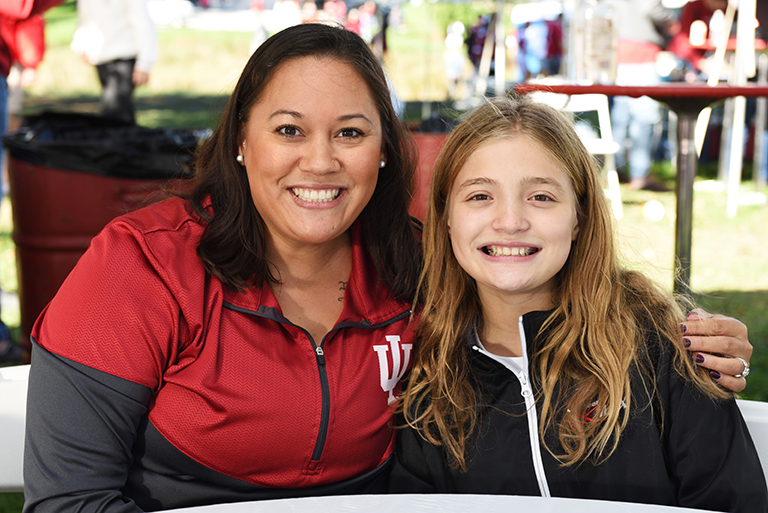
316	196
508	251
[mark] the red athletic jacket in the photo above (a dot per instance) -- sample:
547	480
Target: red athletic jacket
154	384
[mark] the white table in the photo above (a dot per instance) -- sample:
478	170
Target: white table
438	503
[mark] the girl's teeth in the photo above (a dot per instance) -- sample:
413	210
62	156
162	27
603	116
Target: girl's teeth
508	251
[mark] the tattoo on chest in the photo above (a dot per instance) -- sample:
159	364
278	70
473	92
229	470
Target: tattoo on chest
342	288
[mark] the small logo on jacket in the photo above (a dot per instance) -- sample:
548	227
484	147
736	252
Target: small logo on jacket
590	415
389	380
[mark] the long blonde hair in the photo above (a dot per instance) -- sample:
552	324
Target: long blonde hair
595	333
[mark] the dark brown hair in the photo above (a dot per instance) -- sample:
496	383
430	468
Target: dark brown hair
233	247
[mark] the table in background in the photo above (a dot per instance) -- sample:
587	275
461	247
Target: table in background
437	503
687	101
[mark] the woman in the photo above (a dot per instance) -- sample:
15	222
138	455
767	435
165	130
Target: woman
542	367
229	347
245	343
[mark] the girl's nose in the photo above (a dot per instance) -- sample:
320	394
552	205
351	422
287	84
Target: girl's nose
510	217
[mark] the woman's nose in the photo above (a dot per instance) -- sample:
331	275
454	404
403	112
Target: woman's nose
319	158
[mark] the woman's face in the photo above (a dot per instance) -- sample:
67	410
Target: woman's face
311	149
511	219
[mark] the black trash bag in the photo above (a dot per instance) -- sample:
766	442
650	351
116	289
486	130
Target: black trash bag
107	147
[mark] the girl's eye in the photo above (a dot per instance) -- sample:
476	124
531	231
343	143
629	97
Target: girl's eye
350	133
479	197
288	130
542	197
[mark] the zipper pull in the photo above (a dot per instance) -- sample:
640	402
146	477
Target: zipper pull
525	387
320	355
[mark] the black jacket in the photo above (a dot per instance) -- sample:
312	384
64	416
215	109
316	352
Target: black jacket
697	453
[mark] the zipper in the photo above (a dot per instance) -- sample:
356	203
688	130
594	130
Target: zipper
533	419
325	414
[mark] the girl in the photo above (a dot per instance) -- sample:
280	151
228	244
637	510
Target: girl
542	366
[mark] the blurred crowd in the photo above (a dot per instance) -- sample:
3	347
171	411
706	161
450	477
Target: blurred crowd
651	44
368	20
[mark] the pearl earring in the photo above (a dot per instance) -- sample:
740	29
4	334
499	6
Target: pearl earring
382	164
239	159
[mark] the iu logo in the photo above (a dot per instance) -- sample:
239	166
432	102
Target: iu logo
388	381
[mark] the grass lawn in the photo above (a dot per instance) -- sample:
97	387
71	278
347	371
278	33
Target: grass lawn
196	71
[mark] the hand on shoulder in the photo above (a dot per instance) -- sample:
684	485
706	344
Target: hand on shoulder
720	344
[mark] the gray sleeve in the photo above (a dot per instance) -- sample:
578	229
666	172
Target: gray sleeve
81	425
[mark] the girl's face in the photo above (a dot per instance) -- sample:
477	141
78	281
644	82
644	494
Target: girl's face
311	149
511	219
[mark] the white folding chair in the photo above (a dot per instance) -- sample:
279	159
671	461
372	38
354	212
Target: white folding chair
755	413
13	407
601	144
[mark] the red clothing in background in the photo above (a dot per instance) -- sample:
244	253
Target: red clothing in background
25	39
680	45
11	12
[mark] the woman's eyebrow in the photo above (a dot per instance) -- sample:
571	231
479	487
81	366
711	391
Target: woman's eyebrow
296	114
349	117
286	112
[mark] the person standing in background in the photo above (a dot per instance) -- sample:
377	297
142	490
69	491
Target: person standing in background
553	60
454	57
12	14
696	11
475	42
26	42
643	28
761	13
118	37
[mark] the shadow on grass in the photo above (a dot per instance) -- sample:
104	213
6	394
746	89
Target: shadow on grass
159	111
749	307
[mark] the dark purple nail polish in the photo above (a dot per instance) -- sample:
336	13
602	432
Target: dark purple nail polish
714	374
699	358
687	342
683	328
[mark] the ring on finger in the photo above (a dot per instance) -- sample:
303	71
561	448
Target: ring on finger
745	371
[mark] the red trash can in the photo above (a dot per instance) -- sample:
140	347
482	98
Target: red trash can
429	146
69	176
